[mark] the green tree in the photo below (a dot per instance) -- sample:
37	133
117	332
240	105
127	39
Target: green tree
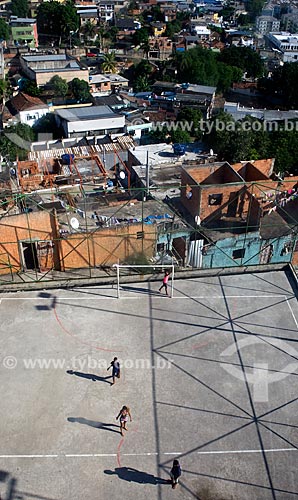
236	141
80	90
145	47
284	148
15	142
4	30
244	58
19	8
243	19
4	85
180	136
144	68
192	117
153	14
157	136
70	21
227	75
254	8
56	19
88	30
59	86
170	136
199	65
282	84
173	27
219	137
142	84
288	80
47	125
140	36
227	13
109	63
23	131
31	88
111	33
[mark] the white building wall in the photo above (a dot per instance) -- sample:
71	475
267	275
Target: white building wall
31	116
85	126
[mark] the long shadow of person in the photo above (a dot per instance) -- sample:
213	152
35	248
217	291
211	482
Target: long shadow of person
93	423
90	376
136	476
139	290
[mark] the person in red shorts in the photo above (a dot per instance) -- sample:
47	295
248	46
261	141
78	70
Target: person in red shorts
165	282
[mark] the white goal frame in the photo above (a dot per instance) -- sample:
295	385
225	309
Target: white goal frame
163	266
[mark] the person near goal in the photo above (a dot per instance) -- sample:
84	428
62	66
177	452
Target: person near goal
165	282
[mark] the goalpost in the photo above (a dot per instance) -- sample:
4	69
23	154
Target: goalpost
163	268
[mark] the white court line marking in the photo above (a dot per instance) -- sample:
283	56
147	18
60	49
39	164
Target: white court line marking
292	312
157	296
98	455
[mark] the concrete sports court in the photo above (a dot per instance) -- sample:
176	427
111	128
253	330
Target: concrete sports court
210	377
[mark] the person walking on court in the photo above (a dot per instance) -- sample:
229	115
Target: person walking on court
123	414
115	365
175	473
165	282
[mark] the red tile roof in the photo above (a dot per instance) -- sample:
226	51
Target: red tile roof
23	102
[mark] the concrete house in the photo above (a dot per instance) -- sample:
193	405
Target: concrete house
90	121
286	43
87	13
41	68
265	24
25	109
24	31
106	10
100	85
241	218
272	243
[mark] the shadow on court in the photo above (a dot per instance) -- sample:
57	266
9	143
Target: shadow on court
90	376
135	476
134	289
93	423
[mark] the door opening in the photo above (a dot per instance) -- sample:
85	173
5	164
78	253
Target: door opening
30	260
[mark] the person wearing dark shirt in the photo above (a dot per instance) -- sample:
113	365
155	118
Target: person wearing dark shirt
115	365
175	473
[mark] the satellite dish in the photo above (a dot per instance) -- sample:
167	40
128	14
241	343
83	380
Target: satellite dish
74	223
122	175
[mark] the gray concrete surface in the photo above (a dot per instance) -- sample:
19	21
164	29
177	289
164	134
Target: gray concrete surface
210	377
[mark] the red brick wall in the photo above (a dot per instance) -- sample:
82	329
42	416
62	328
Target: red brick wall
191	204
107	246
295	259
32	226
229	193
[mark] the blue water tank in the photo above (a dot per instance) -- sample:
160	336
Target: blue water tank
67	159
179	149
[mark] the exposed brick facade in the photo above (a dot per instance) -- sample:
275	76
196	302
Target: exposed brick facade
37	227
107	246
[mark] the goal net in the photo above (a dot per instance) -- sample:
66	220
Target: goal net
148	273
